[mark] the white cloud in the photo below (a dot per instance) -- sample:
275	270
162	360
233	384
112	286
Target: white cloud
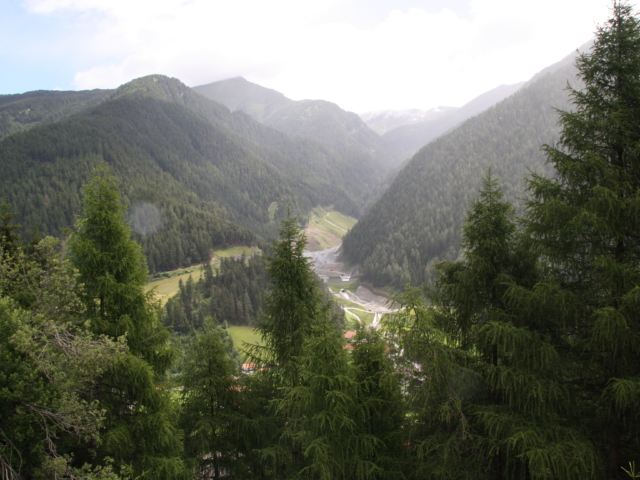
411	59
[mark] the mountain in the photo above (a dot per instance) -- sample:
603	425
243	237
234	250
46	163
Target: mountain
405	140
240	94
338	130
417	221
208	176
24	111
329	177
383	121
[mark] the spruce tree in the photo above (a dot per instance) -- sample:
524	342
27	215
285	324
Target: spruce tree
140	435
50	363
585	222
378	406
489	398
294	302
210	404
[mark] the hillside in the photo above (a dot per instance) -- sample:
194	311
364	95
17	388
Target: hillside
417	220
27	110
343	133
327	177
406	139
240	94
195	175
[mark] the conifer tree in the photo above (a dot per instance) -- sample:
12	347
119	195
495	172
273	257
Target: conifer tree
210	402
50	364
295	301
292	306
490	399
141	435
585	222
378	405
333	416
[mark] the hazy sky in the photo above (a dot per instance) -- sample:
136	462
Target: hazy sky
361	54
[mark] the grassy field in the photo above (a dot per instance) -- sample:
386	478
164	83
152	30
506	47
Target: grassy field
336	284
230	252
351	320
345	303
339	220
167	287
243	335
318	240
365	317
326	227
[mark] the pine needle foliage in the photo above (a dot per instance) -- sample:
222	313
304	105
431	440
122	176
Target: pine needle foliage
586	226
140	420
332	415
210	403
293	304
487	383
50	364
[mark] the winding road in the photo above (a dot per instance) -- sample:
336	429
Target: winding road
364	297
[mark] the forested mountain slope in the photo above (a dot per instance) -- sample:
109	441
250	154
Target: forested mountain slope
240	94
417	220
169	161
342	132
407	139
323	174
27	110
327	177
195	174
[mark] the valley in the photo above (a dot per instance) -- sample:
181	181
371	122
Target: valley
220	282
357	301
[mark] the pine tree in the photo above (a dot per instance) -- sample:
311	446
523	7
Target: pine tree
293	304
320	410
378	406
141	435
585	222
50	364
489	395
8	236
210	403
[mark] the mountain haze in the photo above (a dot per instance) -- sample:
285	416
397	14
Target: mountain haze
240	94
407	139
417	221
383	121
343	132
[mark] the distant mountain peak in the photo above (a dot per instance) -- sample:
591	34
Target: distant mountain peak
383	121
238	93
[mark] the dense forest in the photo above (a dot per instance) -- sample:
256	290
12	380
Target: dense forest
28	110
343	132
521	360
231	292
417	221
205	177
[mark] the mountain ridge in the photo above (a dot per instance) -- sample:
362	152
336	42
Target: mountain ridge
319	120
190	157
418	219
407	139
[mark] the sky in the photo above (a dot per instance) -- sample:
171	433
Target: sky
364	55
